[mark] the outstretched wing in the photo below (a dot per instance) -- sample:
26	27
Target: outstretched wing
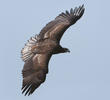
55	29
34	72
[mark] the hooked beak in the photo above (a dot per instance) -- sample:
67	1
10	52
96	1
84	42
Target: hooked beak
68	51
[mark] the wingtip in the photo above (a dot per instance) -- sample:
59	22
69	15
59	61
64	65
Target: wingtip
83	7
76	8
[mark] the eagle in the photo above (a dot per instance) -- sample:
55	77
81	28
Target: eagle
40	48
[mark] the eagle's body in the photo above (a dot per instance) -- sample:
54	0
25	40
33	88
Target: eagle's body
39	49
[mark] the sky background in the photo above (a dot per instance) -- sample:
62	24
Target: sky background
83	74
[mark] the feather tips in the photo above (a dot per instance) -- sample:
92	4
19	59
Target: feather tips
73	15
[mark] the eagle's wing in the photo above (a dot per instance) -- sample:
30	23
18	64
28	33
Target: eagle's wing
34	72
55	29
36	64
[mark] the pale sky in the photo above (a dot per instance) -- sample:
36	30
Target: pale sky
83	74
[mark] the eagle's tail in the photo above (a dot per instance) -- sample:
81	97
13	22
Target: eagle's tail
26	52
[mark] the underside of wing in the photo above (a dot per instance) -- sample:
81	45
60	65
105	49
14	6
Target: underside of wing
61	23
34	73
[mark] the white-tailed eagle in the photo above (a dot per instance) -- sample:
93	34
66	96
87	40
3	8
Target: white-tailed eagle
39	49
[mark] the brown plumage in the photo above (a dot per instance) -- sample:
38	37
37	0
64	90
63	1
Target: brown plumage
39	49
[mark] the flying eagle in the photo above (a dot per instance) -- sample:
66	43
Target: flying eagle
39	49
